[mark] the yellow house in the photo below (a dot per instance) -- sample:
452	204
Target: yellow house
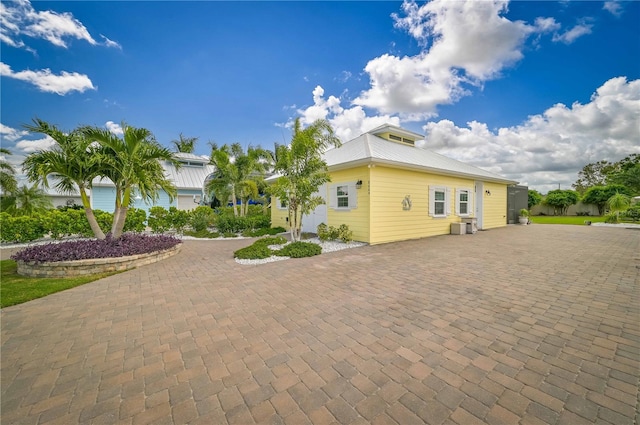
386	189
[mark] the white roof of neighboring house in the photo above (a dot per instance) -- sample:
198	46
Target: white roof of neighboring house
191	175
369	148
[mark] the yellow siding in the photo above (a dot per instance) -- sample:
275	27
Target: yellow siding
358	218
389	222
278	216
495	206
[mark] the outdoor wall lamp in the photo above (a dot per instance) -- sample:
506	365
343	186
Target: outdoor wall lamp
358	184
487	192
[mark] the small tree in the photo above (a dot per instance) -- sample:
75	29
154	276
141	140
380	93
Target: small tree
618	203
8	182
303	170
560	200
185	144
26	200
534	198
599	195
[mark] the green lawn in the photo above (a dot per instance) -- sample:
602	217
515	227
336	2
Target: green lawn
549	219
16	289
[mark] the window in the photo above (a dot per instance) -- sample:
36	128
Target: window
464	202
282	204
343	196
438	201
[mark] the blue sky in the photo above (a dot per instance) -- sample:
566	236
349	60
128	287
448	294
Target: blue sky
531	90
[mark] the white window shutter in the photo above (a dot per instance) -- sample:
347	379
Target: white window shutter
447	202
353	196
333	197
432	197
457	201
471	207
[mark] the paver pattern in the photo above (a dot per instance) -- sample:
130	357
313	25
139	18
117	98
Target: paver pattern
519	325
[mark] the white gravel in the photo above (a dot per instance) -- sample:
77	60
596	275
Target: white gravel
329	246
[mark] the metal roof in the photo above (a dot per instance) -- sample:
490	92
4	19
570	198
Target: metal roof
371	149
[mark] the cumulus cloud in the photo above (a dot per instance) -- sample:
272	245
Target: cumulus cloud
49	82
10	134
29	146
465	43
573	34
114	128
550	148
19	19
614	7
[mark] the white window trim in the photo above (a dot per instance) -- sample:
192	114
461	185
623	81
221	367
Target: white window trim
432	201
351	193
279	204
459	192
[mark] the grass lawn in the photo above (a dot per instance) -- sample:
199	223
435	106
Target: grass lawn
552	219
16	289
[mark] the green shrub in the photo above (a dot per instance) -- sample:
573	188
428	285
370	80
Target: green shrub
201	218
260	221
178	219
255	251
632	213
344	234
230	235
299	250
263	231
611	218
20	229
158	219
135	220
205	234
277	240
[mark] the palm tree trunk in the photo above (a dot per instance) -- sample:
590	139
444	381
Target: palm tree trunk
91	218
118	222
234	200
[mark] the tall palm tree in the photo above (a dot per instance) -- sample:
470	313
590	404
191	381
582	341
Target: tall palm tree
26	200
72	162
185	144
224	184
132	163
8	183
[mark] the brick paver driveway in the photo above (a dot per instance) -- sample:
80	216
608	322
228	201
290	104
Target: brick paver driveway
536	324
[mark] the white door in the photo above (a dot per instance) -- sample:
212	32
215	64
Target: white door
311	221
479	201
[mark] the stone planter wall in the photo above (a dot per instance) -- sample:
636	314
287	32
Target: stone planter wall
93	266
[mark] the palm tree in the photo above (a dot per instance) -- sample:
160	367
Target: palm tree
72	163
27	201
185	144
132	163
8	183
617	203
238	173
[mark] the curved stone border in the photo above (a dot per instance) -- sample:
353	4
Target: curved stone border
93	265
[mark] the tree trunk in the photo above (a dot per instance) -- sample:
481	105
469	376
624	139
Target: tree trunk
93	223
234	200
119	218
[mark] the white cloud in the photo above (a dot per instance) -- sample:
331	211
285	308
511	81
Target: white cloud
550	148
29	146
11	134
110	43
48	82
114	128
19	18
614	7
573	34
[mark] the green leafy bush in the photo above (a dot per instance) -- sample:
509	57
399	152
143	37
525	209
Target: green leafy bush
178	219
299	250
276	240
20	229
263	231
205	234
135	220
260	221
632	213
330	233
611	218
158	220
231	224
201	218
255	251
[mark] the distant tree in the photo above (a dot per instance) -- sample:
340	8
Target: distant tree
238	174
73	162
534	198
303	170
185	144
133	164
627	173
8	183
599	195
618	203
26	200
560	200
594	174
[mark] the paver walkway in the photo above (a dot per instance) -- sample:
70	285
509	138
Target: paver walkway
519	325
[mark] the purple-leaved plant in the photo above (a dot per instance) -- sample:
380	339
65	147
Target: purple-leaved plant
127	244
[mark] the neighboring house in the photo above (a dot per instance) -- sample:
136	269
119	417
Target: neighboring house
386	189
189	180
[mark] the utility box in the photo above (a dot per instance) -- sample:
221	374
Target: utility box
471	224
458	228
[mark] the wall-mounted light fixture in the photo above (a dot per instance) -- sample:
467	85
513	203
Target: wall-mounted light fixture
358	184
487	192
